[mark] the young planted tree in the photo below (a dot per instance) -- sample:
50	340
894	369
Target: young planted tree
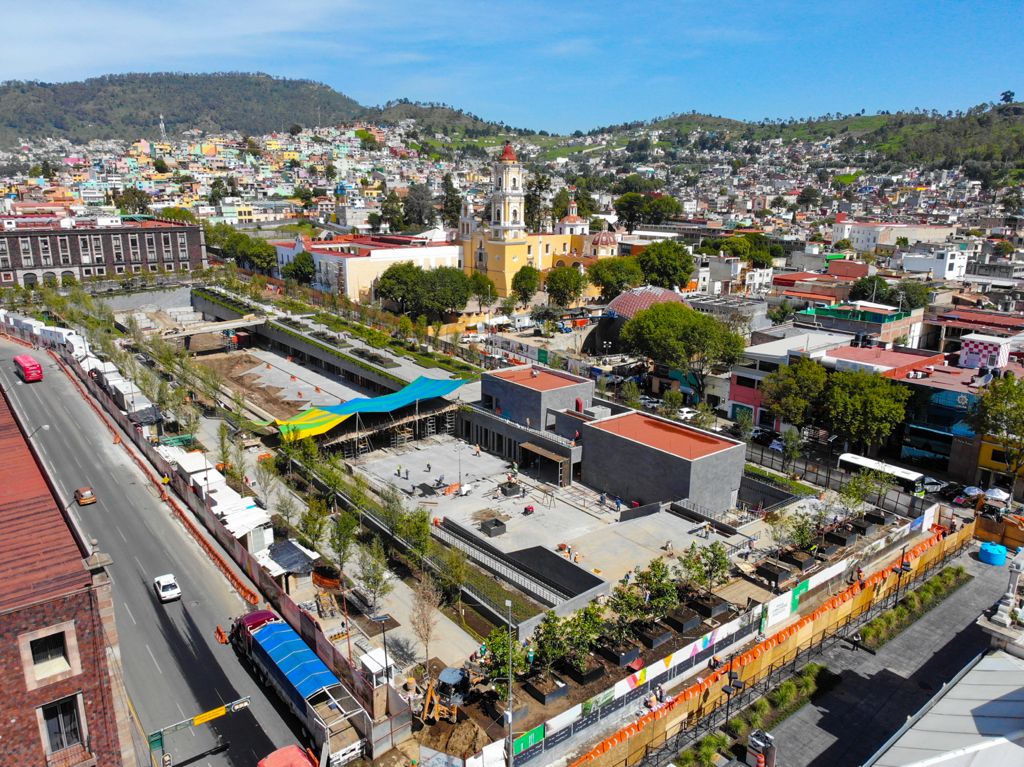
454	571
627	602
286	508
426	601
630	394
658	589
792	446
864	407
671	402
502	651
582	630
552	641
705	566
414	527
392	508
780	527
313	521
861	487
744	424
374	578
793	392
705	417
343	538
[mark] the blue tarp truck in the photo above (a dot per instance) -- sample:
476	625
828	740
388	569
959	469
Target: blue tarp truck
281	660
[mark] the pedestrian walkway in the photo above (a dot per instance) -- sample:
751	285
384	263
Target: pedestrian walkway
450	643
878	692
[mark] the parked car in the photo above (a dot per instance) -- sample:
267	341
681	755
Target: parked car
84	496
763	436
686	413
166	587
933	485
951	491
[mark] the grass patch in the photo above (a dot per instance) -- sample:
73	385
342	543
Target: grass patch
914	604
795	487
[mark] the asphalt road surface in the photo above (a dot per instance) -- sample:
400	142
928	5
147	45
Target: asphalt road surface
174	668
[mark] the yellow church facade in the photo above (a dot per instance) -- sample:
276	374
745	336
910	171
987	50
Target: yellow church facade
503	246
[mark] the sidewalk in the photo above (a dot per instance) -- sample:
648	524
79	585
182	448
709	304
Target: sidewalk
878	692
450	643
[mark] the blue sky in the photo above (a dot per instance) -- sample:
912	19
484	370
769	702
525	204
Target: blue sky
557	66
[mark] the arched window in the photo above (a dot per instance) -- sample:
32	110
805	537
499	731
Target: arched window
515	183
515	216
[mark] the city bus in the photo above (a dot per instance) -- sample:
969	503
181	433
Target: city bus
910	481
28	368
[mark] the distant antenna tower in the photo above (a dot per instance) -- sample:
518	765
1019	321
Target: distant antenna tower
163	129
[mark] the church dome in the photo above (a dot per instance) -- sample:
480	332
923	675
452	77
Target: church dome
604	239
508	154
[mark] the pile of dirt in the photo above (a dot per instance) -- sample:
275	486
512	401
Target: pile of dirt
232	368
462	740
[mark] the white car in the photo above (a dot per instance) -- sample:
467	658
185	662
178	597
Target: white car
686	413
166	587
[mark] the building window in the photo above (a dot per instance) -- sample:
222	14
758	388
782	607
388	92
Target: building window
7	277
150	247
117	248
101	270
87	271
167	244
119	269
85	250
168	267
49	655
44	251
61	723
152	267
547	247
182	245
97	246
26	246
136	268
133	247
64	248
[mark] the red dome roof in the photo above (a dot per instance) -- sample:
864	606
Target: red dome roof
508	154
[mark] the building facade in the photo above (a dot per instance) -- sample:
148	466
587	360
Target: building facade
62	702
36	250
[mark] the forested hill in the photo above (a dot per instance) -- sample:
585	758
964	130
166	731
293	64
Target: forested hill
129	106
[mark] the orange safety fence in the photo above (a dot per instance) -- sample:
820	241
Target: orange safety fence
796	634
211	551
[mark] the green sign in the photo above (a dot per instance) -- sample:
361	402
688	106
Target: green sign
542	356
156	741
798	592
527	739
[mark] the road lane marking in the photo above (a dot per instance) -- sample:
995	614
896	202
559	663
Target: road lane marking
129	612
141	569
184	717
151	655
120	533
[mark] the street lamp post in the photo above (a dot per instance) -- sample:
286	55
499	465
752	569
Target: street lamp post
508	709
903	568
41	427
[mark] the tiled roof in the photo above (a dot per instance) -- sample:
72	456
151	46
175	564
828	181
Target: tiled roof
636	300
39	558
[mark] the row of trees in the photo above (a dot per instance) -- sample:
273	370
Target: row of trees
907	294
636	208
755	249
246	251
666	264
434	293
863	407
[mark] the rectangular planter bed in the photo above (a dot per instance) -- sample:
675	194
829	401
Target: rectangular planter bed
655	635
801	560
709	607
620	656
546	690
590	674
776	575
826	550
683	620
841	537
879	517
863	526
493	528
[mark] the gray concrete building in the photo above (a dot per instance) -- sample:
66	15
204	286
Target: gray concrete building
646	459
531	395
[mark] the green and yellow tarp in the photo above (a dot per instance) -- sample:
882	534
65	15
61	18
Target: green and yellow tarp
319	420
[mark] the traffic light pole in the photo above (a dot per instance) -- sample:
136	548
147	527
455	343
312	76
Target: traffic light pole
156	738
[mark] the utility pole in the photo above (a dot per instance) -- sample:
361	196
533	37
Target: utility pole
156	738
508	709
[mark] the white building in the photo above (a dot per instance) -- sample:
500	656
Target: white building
943	264
866	236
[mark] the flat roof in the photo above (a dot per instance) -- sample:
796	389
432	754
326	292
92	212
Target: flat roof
39	557
979	720
544	380
877	356
675	438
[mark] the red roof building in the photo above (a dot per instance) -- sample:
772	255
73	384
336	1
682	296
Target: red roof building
56	627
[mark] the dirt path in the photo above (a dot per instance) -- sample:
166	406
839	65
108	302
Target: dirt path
232	368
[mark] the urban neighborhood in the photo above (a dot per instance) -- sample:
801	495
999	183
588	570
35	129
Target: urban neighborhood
347	435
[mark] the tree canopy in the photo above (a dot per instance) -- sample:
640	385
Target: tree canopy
666	264
907	294
1000	415
433	293
565	285
526	283
614	275
451	206
680	337
302	268
864	407
418	207
793	392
